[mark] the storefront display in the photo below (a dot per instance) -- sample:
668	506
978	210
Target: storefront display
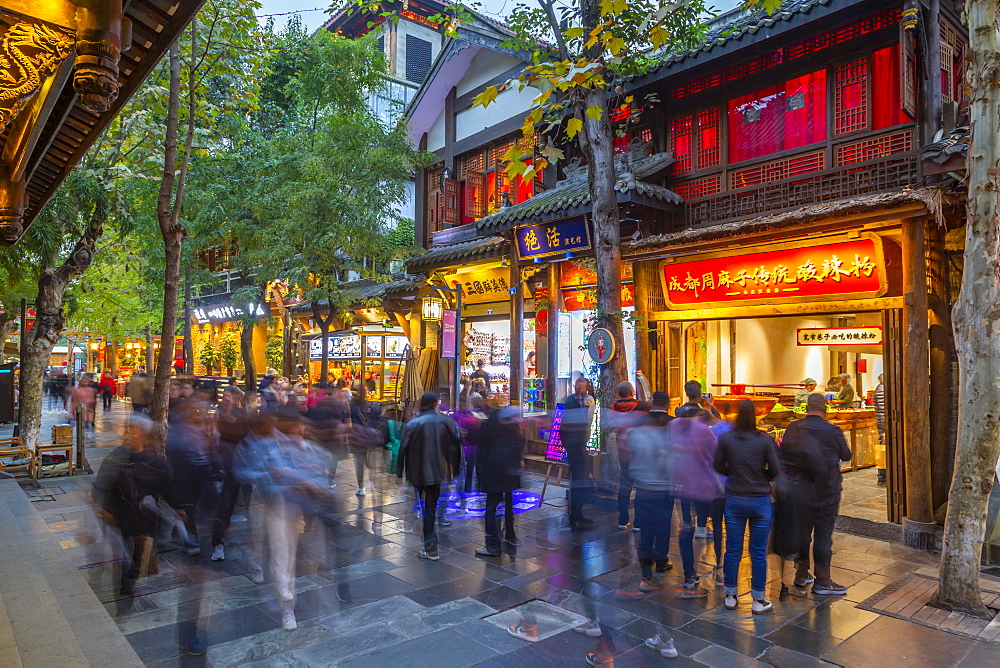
376	359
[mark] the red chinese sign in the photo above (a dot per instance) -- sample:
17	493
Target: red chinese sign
585	299
810	273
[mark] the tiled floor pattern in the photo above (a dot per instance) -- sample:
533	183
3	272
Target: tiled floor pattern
862	498
378	604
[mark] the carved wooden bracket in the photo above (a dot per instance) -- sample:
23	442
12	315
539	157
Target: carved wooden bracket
101	34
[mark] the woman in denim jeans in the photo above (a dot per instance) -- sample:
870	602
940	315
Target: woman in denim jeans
749	458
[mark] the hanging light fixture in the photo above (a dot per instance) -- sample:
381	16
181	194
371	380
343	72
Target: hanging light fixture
431	308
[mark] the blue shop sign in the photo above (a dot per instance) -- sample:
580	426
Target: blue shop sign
567	235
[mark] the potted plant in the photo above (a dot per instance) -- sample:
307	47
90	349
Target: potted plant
208	356
228	352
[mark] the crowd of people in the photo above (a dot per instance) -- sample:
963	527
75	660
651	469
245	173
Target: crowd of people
282	449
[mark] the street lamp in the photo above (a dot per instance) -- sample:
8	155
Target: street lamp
432	308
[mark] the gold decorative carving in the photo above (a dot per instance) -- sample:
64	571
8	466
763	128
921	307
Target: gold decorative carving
29	53
529	271
102	33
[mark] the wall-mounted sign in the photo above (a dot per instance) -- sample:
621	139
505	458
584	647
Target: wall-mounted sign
483	285
568	235
819	272
583	299
601	345
222	313
839	336
373	347
341	348
449	334
395	346
572	275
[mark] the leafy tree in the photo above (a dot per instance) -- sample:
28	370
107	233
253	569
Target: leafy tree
274	352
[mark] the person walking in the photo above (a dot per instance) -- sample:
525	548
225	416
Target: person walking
695	481
84	393
365	434
654	498
623	419
575	434
832	448
430	453
232	424
749	458
107	389
138	391
189	450
499	462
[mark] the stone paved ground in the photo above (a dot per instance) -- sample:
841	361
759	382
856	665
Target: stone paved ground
380	605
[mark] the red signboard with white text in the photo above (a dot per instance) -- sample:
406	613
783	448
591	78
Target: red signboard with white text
800	273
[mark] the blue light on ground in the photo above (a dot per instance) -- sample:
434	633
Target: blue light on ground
475	504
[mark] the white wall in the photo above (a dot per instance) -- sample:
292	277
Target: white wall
509	104
766	351
486	65
435	138
405	27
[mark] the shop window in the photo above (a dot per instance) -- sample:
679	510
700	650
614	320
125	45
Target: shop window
887	101
778	118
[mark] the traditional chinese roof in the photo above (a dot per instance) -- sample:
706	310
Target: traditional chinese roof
68	124
574	193
484	248
953	144
362	292
925	200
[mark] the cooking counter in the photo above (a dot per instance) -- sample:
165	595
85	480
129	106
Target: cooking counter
858	426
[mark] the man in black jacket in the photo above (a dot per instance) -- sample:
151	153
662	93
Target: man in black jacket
832	446
575	433
430	451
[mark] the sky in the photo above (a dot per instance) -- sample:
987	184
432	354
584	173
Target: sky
313	19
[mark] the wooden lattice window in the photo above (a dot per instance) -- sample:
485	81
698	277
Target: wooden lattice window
952	62
851	97
710	185
472	163
908	70
474	198
694	141
875	147
776	170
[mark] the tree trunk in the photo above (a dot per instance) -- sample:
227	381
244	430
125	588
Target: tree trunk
246	349
8	325
977	328
36	349
324	329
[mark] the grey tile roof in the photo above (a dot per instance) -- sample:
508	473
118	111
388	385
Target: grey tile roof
575	191
955	143
735	24
483	248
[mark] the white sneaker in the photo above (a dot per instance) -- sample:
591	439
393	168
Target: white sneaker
590	628
760	607
288	620
699	532
257	575
284	593
361	491
219	553
731	602
665	647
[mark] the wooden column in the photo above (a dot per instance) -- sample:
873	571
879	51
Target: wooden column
942	394
642	279
916	381
516	328
552	350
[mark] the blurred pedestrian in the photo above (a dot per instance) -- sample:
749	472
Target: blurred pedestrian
233	424
499	463
878	399
366	434
654	491
189	450
828	440
749	458
85	394
138	391
108	387
624	409
575	434
430	453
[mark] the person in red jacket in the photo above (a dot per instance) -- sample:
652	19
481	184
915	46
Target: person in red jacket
107	388
624	409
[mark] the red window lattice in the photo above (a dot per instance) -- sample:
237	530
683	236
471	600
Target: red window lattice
851	102
472	163
621	113
623	143
681	143
710	185
875	147
870	23
708	138
776	170
844	33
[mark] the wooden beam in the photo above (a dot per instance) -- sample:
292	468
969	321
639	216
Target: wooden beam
766	310
60	13
916	380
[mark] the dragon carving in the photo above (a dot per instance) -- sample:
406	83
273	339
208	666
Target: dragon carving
29	53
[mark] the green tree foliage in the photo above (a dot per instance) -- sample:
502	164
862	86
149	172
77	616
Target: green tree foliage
228	350
208	356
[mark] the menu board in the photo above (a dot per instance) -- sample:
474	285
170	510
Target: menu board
345	347
395	346
554	450
373	347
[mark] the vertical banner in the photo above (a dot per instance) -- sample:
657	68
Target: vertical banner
554	450
449	334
